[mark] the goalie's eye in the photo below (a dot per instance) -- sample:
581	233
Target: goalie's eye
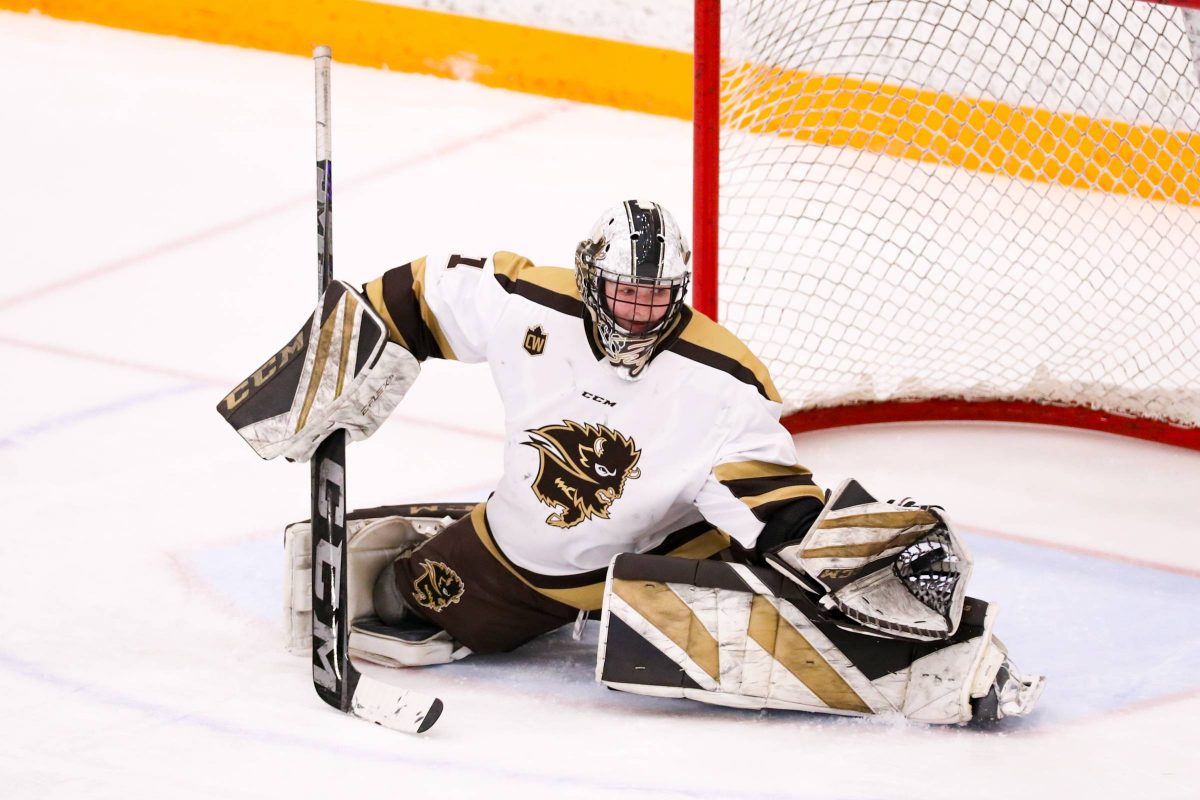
605	471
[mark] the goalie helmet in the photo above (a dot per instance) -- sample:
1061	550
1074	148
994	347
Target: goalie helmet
633	272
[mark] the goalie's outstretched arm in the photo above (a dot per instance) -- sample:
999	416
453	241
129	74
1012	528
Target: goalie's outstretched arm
358	353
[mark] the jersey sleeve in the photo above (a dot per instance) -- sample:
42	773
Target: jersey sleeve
444	306
755	474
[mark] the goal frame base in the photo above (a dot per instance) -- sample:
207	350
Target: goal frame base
940	410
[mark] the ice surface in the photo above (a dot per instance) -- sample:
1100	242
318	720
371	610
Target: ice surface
159	240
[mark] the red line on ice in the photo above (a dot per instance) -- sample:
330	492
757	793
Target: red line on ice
1084	551
221	383
183	242
97	358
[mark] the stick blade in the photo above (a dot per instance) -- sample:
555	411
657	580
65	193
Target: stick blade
394	708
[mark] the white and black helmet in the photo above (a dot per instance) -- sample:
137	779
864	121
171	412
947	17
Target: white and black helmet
634	246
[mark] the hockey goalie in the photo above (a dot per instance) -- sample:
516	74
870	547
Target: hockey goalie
646	478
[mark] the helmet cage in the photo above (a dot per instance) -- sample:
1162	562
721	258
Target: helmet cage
626	347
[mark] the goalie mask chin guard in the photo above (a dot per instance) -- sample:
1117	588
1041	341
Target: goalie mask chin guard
633	273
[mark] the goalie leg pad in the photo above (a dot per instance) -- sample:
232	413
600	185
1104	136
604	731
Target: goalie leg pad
339	371
376	538
734	635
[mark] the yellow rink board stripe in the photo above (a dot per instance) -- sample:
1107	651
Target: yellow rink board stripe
1031	144
498	54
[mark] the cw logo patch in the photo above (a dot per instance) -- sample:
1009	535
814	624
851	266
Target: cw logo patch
535	341
583	471
438	586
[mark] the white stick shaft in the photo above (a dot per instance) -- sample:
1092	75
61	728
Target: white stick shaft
323	56
322	59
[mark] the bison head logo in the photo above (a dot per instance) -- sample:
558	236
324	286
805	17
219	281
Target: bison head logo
583	469
438	586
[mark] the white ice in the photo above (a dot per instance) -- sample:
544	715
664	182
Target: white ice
158	242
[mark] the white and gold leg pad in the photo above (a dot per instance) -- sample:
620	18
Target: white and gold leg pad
739	636
377	537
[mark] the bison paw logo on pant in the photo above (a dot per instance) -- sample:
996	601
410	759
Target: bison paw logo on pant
438	586
583	469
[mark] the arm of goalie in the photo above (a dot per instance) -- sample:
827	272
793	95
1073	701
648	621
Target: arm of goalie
896	568
339	371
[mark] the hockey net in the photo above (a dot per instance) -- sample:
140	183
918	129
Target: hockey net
957	208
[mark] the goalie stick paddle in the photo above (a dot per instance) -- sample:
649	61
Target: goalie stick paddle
335	677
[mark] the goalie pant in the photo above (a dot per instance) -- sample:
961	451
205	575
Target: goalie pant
734	635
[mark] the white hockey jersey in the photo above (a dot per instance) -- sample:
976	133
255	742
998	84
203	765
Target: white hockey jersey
595	464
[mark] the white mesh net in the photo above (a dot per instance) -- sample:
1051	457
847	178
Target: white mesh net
978	199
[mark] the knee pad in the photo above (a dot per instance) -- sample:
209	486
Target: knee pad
387	598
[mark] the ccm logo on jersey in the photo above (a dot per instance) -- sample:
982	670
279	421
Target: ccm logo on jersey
604	401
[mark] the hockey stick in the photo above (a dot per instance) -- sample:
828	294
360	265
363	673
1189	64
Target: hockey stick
335	677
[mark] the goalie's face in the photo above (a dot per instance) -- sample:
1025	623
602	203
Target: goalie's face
632	272
638	307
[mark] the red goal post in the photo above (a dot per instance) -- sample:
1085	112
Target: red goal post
956	209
